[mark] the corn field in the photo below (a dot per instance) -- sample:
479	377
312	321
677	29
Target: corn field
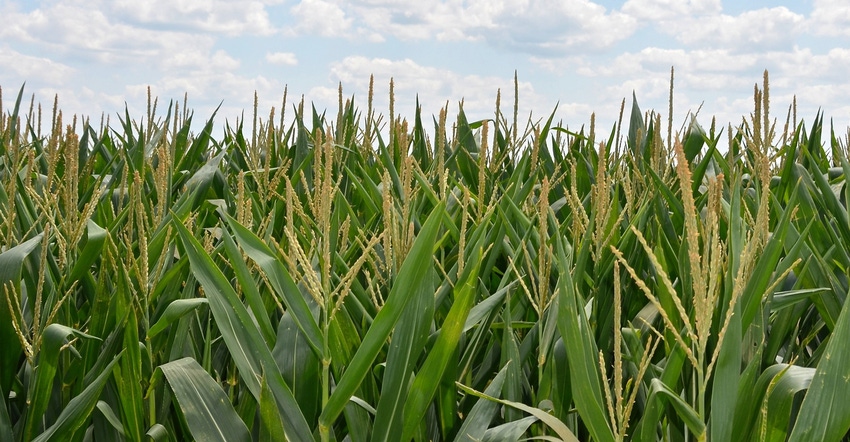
364	277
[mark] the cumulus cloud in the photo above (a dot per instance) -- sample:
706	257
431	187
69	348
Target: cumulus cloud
97	55
524	25
759	29
702	23
435	88
577	48
34	68
321	17
231	17
283	58
670	10
74	30
830	18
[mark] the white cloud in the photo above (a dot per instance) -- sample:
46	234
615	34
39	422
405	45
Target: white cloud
34	68
435	88
759	29
526	25
284	58
321	17
701	24
231	17
830	18
76	31
670	10
100	46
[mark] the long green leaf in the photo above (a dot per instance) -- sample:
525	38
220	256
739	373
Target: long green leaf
78	410
406	346
249	288
660	394
581	351
428	379
476	422
175	310
209	414
250	353
412	274
6	430
559	427
11	263
55	336
281	281
824	414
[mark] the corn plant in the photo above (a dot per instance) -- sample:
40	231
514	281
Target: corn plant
368	277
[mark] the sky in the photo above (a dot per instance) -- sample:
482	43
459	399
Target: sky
583	56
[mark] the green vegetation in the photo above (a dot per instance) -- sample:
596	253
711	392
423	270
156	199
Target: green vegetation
364	278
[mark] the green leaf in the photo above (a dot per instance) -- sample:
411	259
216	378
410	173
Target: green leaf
637	132
556	425
250	353
510	431
281	281
475	423
727	371
110	417
271	427
249	288
54	337
428	379
128	376
411	275
778	387
299	366
157	432
175	310
78	410
581	351
91	249
209	414
788	298
659	396
406	346
11	263
5	422
824	414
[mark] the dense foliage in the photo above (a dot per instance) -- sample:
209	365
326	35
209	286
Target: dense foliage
367	279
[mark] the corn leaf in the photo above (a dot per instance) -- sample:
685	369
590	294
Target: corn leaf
581	351
208	412
250	353
428	378
11	262
410	276
78	410
824	414
559	427
405	348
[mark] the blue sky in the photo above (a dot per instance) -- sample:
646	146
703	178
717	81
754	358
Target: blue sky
586	56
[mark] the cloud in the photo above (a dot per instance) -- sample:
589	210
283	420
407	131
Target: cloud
230	17
701	24
759	29
31	68
76	31
543	26
435	88
664	11
720	81
96	55
283	58
830	18
321	17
